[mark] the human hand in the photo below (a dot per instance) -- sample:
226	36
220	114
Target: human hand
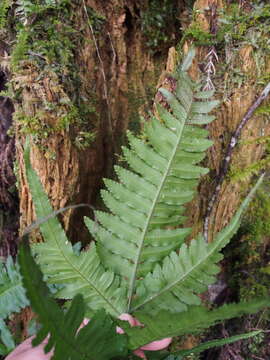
25	351
153	346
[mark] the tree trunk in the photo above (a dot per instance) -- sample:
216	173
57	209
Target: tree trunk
77	104
77	113
236	97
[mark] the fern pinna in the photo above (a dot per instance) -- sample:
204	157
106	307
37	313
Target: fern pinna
148	201
12	299
141	263
97	340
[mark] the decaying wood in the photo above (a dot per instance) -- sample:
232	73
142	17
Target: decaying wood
9	203
70	175
228	156
229	115
8	194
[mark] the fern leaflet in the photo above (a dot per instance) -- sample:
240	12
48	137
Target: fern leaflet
12	293
7	342
136	267
149	200
80	274
196	319
216	343
174	285
97	340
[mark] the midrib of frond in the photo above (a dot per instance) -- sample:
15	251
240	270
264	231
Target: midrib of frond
71	265
170	287
149	218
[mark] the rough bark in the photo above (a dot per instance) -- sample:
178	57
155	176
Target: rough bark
231	111
115	71
236	101
9	214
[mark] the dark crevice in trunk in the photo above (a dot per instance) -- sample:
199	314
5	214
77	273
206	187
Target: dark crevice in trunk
9	202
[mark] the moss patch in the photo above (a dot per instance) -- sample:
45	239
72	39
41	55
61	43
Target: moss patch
44	58
158	21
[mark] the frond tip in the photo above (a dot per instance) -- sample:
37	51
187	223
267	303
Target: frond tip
193	321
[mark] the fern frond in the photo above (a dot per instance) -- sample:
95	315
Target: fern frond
176	284
98	340
12	293
196	319
6	339
217	343
79	274
148	201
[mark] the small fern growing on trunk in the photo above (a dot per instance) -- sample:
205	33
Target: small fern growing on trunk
140	263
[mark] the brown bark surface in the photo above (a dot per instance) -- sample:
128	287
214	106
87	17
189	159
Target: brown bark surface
233	106
117	70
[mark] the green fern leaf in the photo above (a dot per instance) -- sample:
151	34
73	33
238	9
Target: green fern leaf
188	60
217	343
148	201
196	319
12	293
176	284
79	274
98	340
7	342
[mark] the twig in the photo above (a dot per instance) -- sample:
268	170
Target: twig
228	156
113	49
256	357
260	318
53	214
36	54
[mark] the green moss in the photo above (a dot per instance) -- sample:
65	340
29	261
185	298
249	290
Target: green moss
97	20
199	36
51	32
264	79
69	118
238	173
256	346
263	110
244	174
237	27
21	48
258	218
250	28
247	256
84	139
47	38
4	6
158	22
33	126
